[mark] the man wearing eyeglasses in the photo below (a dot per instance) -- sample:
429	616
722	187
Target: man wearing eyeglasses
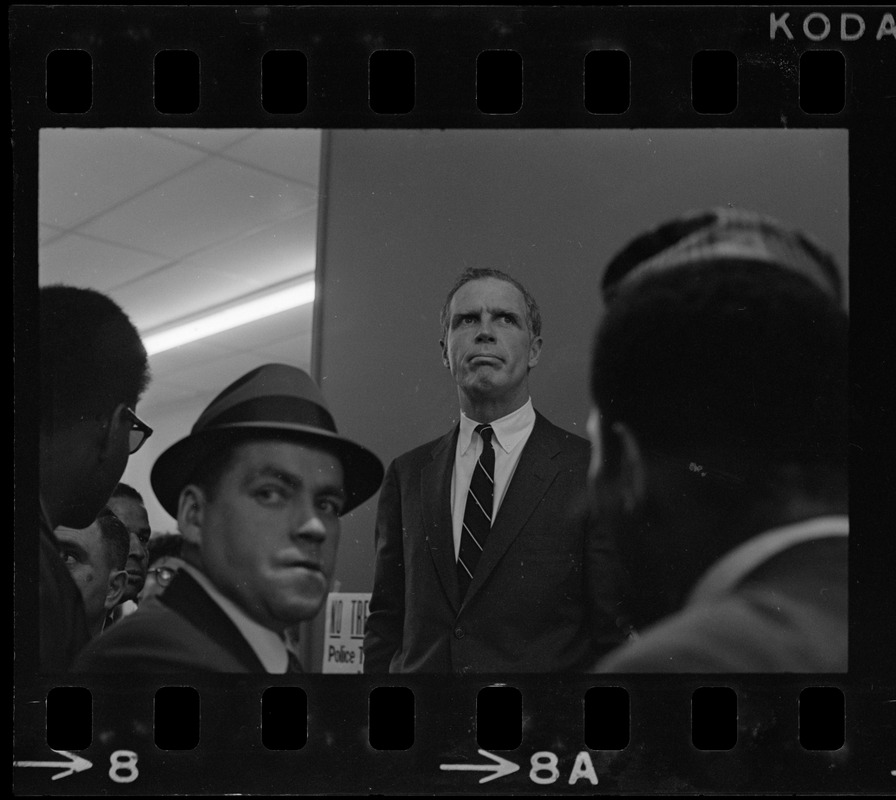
93	370
164	562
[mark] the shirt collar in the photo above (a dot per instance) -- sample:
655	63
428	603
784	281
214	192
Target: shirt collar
509	430
733	567
267	644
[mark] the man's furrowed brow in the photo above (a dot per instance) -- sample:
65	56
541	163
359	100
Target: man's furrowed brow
278	473
503	312
459	315
297	481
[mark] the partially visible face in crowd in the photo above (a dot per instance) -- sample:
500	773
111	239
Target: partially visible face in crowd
84	553
133	515
160	575
489	347
268	534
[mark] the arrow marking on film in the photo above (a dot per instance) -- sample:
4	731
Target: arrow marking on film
76	764
500	768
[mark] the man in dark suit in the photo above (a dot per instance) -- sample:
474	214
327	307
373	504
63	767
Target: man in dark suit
257	489
93	369
720	388
482	562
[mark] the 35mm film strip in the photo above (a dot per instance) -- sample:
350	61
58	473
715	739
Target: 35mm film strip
696	73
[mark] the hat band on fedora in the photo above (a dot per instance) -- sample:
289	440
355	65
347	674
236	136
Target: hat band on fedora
278	409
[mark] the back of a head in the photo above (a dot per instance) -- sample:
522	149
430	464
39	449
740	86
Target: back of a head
91	355
127	492
746	360
165	545
726	236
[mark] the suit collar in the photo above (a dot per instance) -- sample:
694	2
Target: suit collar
435	488
534	474
723	576
191	601
268	645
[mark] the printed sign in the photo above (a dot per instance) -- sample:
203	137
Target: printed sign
344	636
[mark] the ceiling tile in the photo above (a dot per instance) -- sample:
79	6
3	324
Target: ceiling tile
210	377
162	391
221	227
209	140
175	365
277	253
292	350
294	154
257	335
79	261
178	291
45	232
216	202
83	172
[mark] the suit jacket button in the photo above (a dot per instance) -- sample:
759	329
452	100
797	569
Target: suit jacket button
458	633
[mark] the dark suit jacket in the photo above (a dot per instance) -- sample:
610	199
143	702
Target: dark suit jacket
180	630
62	623
543	594
789	615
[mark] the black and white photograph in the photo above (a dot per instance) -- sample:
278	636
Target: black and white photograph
214	242
461	459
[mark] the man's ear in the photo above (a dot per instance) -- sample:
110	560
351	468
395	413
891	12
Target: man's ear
444	347
534	350
191	513
118	581
632	470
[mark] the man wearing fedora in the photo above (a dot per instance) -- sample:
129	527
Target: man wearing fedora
257	489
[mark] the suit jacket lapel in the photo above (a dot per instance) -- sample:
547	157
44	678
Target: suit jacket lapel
435	498
188	599
535	472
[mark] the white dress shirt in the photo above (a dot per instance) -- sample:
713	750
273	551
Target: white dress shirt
511	433
268	645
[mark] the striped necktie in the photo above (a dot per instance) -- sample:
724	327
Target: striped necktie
478	513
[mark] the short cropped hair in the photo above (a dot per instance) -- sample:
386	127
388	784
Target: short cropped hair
116	539
127	492
91	355
533	315
165	545
734	234
742	358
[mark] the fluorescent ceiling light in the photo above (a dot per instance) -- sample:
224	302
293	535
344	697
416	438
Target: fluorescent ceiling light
249	309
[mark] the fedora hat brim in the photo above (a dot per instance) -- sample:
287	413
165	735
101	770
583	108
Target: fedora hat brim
175	468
